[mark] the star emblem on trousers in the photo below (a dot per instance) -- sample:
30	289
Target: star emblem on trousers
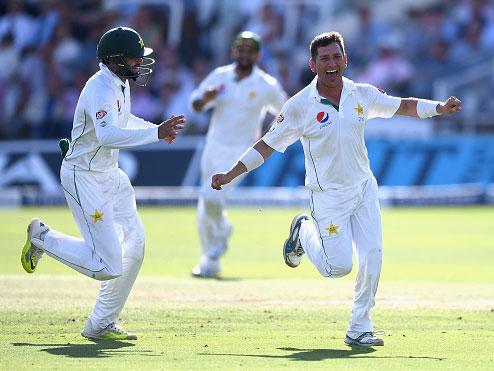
97	216
332	229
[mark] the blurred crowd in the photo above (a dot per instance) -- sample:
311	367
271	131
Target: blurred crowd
48	51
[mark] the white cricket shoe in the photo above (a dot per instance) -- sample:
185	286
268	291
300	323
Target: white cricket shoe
32	251
110	332
207	268
367	339
292	249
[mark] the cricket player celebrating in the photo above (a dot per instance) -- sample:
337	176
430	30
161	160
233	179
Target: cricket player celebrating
99	194
329	117
239	94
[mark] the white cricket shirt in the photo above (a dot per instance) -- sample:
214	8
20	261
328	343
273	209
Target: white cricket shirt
332	139
103	124
239	108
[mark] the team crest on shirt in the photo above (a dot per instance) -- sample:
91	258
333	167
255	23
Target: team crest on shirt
360	112
280	118
100	114
252	94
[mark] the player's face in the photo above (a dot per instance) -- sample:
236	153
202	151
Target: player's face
329	65
133	63
245	56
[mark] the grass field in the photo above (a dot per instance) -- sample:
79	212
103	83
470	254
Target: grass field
435	305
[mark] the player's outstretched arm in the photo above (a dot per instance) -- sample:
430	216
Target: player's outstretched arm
169	129
251	159
424	108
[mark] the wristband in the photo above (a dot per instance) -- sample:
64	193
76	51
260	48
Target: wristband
252	159
427	108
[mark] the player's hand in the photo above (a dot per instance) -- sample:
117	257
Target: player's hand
211	93
220	179
169	129
452	105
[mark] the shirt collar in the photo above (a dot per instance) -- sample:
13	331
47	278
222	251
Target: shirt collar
114	78
348	87
254	72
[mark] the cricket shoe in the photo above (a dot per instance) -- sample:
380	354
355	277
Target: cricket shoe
207	268
292	249
110	332
367	339
32	251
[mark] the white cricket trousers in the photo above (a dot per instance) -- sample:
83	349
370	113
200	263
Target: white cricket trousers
340	218
112	246
212	218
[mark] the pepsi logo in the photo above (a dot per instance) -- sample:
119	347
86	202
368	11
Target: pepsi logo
322	117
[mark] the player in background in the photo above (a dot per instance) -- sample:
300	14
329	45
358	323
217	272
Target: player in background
99	194
239	94
329	117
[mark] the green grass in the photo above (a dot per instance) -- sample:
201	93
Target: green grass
435	305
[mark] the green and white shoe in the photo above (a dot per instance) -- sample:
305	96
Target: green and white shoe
32	251
111	332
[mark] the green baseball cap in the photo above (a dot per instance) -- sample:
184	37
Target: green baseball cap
248	38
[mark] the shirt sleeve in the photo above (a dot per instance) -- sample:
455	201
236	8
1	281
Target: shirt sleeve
277	98
104	117
286	130
210	81
381	105
139	123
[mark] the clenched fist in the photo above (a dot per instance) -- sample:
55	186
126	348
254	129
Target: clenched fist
452	105
220	179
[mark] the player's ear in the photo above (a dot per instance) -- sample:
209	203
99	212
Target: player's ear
312	65
345	59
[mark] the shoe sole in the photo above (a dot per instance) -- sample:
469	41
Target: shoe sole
27	265
198	274
351	343
95	338
293	229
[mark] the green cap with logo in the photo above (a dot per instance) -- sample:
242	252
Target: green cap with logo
248	38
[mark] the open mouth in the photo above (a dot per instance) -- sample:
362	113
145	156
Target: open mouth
331	72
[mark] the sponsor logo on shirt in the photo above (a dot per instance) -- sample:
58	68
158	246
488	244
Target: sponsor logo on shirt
100	114
322	117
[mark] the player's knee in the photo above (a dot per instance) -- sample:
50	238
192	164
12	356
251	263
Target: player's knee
105	275
140	244
337	272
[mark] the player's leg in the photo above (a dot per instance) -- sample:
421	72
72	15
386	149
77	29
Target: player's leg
367	235
114	293
212	217
98	254
327	238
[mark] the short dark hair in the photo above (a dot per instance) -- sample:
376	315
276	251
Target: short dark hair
325	39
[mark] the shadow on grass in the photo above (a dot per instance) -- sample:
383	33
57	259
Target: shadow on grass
100	349
217	278
322	354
